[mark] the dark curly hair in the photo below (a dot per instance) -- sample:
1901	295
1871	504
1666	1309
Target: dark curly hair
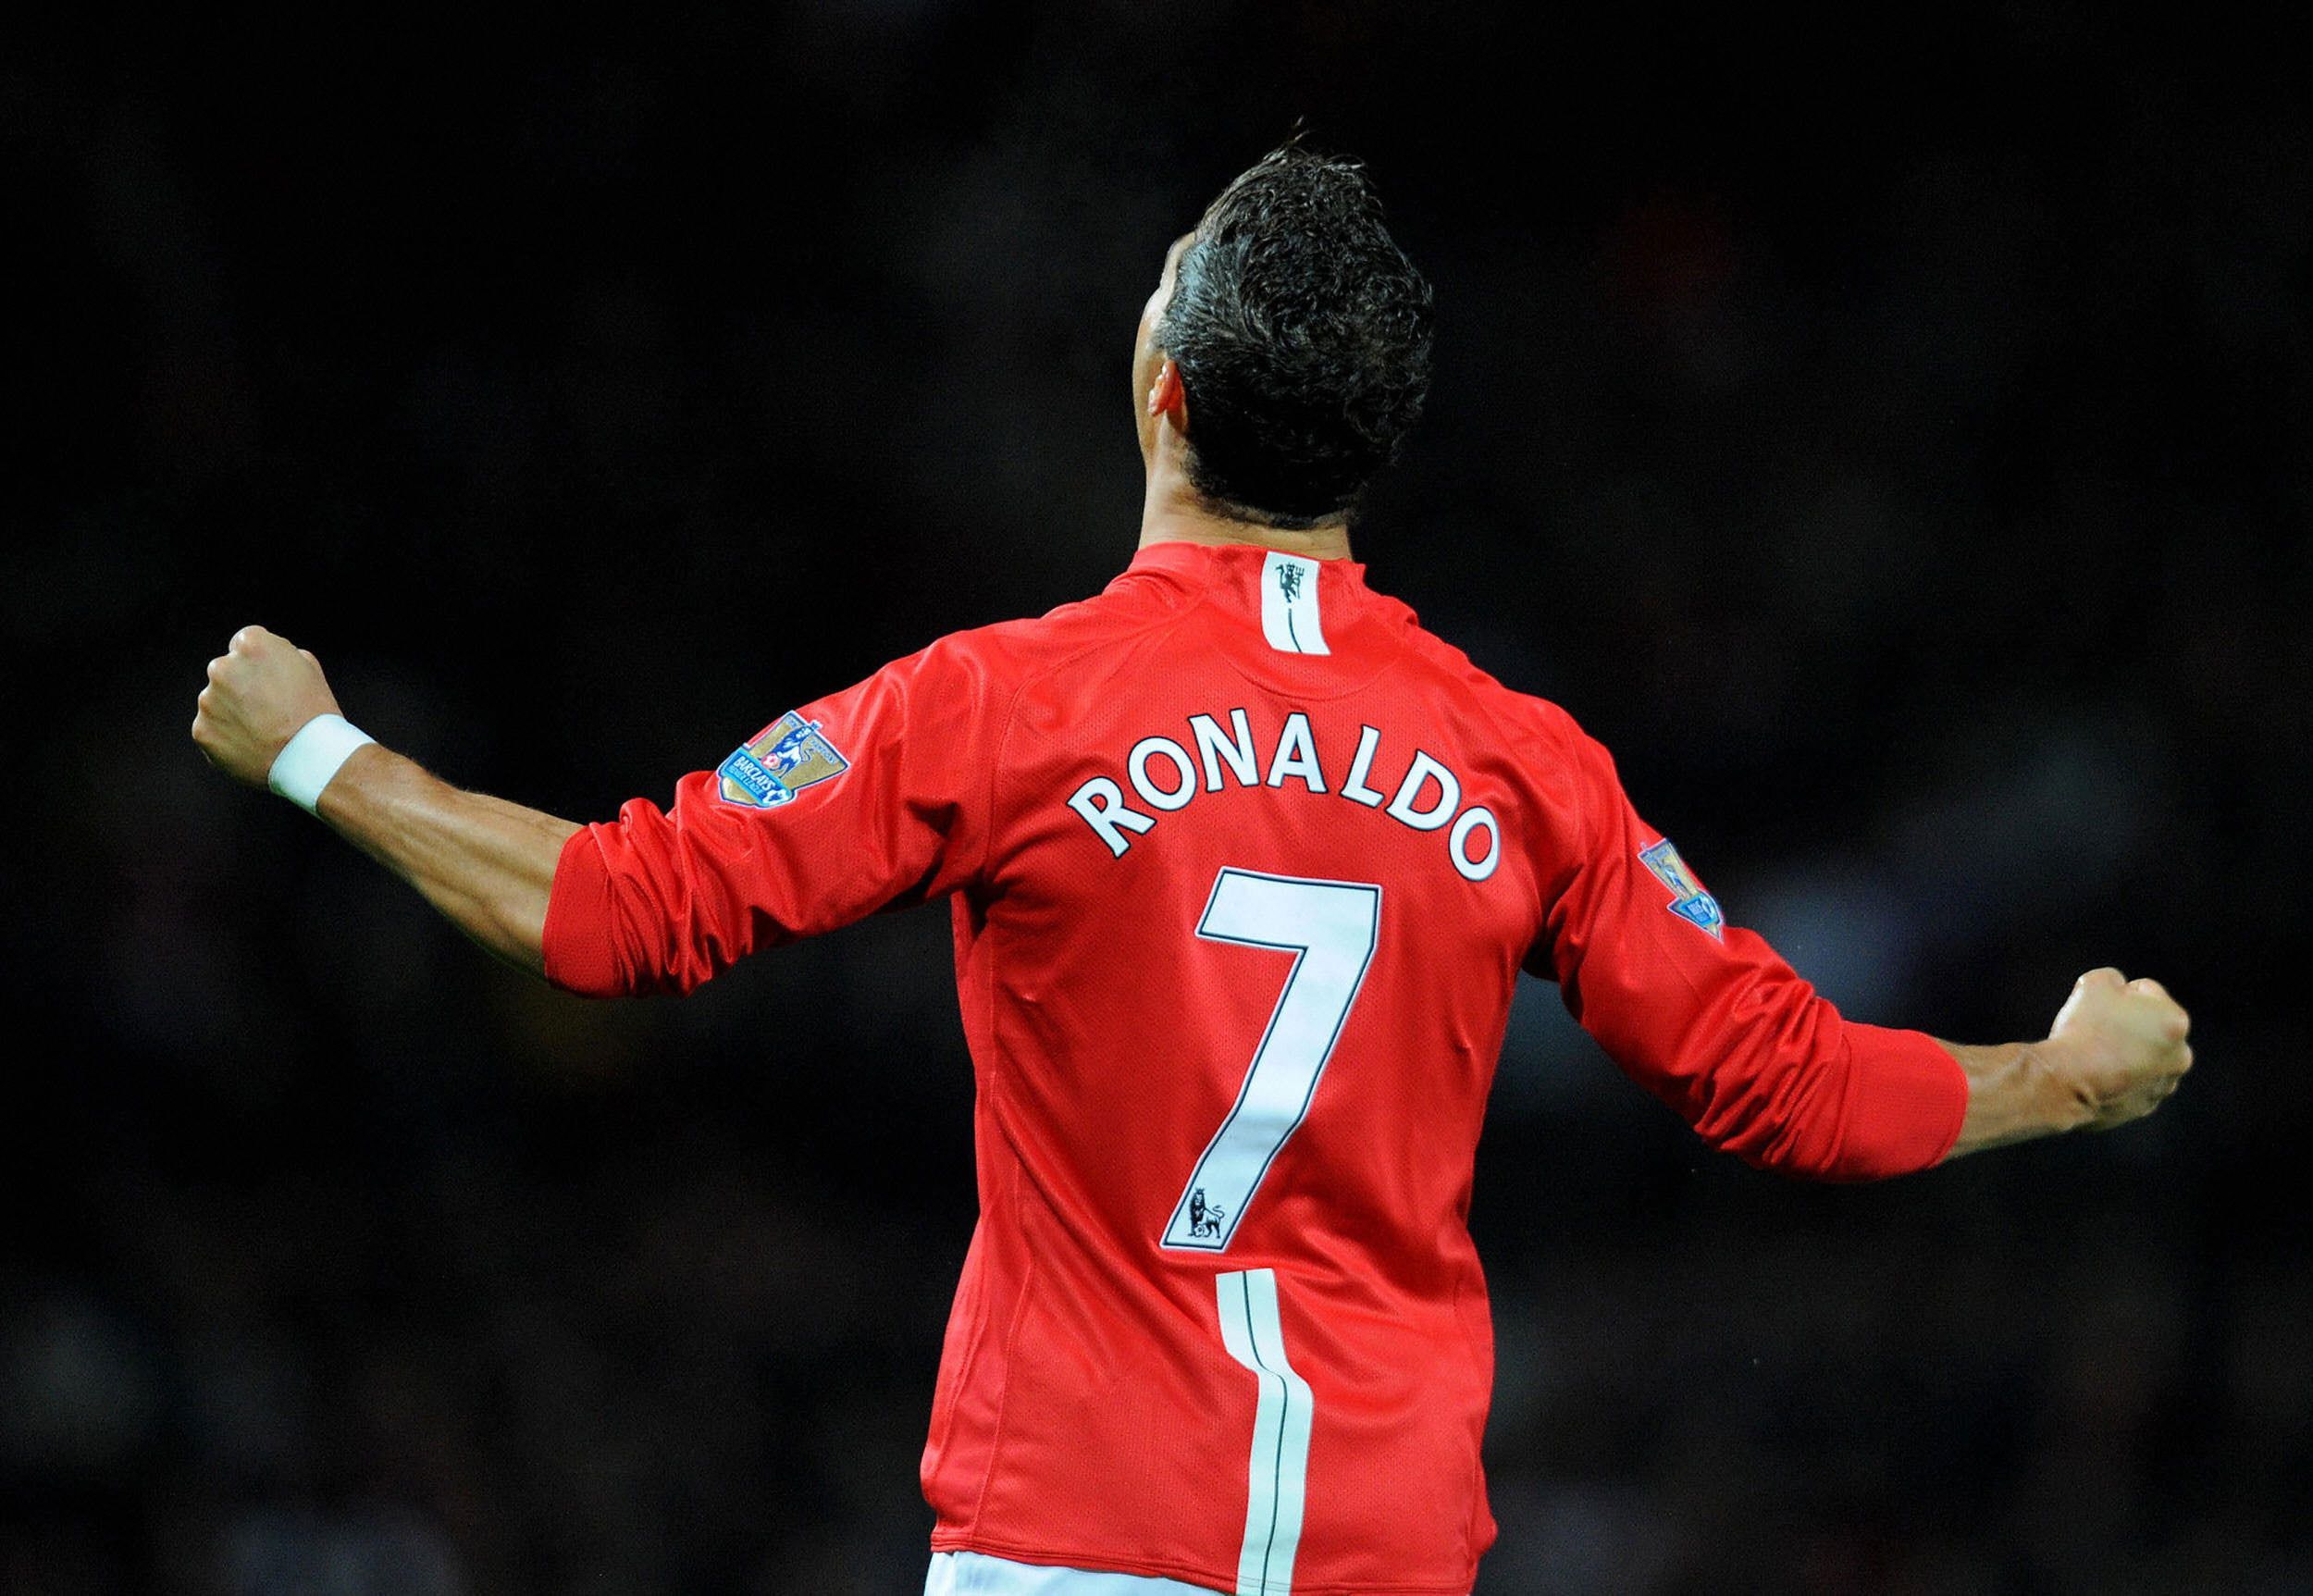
1301	334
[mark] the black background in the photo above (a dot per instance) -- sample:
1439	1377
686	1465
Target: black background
1892	441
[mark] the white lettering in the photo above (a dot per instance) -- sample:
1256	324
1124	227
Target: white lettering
1101	802
1428	798
1449	794
1296	755
1212	747
1136	766
1457	842
1368	739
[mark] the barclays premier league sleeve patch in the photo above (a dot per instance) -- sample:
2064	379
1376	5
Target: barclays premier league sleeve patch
1689	901
781	761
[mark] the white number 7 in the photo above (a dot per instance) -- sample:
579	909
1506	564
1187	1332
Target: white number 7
1330	927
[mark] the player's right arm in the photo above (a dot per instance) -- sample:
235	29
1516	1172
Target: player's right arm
2117	1050
1711	1019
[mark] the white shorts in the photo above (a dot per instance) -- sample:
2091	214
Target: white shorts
975	1574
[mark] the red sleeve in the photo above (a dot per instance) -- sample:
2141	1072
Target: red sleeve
1706	1017
874	796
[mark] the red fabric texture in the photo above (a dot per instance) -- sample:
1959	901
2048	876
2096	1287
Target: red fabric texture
1087	1412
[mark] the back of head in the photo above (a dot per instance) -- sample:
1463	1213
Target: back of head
1301	334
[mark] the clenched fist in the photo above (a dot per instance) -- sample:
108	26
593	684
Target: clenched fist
261	691
2120	1046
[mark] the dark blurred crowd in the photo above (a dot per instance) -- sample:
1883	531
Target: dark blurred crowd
1894	445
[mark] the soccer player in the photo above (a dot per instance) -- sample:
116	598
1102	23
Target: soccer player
1244	864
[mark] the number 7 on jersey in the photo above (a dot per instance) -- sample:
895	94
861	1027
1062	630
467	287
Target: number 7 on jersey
1330	928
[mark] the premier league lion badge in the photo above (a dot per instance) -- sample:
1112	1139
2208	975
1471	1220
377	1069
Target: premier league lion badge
1689	901
781	761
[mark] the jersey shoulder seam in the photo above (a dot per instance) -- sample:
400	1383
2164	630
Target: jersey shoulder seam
1551	721
1052	668
1552	727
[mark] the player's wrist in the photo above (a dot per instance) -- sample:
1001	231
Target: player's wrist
313	757
2063	1080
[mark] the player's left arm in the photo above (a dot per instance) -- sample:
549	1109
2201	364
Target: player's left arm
487	865
873	797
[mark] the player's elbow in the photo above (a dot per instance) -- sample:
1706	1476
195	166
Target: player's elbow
1796	1148
637	931
585	972
1804	1154
603	970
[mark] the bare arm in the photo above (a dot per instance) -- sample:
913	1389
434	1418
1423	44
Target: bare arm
485	863
2117	1049
1708	1018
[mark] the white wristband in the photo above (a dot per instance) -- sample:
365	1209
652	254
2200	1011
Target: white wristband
308	759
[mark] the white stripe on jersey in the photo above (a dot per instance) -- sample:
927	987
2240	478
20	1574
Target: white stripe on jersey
976	1574
1289	605
1278	1478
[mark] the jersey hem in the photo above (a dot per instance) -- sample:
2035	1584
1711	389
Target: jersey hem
1159	1568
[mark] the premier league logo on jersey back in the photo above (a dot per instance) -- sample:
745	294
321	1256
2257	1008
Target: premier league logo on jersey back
1689	901
1204	1217
783	759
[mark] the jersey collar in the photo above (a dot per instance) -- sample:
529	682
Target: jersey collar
1226	579
1204	566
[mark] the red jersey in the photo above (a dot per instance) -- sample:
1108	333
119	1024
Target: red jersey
1243	866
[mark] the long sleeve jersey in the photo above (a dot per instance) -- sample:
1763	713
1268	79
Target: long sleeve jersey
1244	864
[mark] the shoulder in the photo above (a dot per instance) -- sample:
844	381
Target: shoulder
1007	656
1524	719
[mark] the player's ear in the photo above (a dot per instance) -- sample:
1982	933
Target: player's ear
1166	397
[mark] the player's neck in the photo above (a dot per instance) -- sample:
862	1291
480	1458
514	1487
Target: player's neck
1173	513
